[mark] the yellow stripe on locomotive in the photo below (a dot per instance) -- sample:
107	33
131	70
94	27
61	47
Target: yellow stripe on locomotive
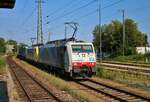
36	54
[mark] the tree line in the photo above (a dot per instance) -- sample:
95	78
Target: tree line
3	44
112	37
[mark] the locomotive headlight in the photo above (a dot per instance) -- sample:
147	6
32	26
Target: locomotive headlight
93	63
75	64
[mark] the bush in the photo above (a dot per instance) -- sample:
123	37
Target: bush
2	45
137	57
130	51
148	55
133	80
100	72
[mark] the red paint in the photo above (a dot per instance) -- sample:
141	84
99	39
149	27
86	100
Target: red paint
80	64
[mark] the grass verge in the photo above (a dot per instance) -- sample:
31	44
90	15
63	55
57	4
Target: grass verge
132	80
137	58
2	65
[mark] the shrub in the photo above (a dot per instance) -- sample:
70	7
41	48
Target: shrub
137	57
100	72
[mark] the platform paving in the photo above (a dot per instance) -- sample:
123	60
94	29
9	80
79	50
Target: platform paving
3	92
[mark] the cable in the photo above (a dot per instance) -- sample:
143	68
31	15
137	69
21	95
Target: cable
68	13
60	8
28	17
86	15
63	8
92	12
86	6
57	26
117	2
96	10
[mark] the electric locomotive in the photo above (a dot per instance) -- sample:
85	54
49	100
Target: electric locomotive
69	56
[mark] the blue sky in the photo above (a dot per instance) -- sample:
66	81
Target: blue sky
20	23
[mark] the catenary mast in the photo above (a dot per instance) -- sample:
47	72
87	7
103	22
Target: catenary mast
39	26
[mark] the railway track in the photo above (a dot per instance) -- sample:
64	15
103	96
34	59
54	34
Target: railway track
144	65
127	68
133	63
116	94
33	89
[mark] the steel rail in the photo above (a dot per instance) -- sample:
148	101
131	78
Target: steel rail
10	61
132	96
121	90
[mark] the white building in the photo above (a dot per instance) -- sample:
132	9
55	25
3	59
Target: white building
9	48
142	50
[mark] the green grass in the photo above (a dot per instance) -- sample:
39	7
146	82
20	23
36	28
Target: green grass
136	81
129	58
2	62
2	65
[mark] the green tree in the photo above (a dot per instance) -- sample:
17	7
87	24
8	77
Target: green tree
2	45
112	37
12	42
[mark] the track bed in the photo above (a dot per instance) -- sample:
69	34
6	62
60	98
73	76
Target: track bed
33	89
112	93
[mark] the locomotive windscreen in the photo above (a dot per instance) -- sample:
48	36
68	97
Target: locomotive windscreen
82	48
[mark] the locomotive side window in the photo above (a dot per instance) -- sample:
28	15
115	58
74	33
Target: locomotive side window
82	48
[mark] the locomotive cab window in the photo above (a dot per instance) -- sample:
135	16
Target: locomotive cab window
87	48
76	48
82	48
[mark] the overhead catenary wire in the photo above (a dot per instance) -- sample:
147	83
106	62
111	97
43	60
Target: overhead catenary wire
74	10
81	17
89	13
24	22
28	17
63	15
96	10
62	7
112	4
